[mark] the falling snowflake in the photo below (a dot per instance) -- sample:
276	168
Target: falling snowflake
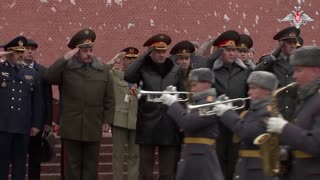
257	19
246	31
73	2
225	17
53	9
244	15
130	25
118	2
12	5
152	22
44	1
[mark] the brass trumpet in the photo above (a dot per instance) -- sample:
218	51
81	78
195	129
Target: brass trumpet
207	109
154	96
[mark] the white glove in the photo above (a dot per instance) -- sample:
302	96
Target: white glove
169	99
220	109
276	124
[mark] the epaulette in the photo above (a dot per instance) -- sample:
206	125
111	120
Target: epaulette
243	114
265	55
262	57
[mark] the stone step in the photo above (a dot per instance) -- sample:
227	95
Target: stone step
51	170
103	167
102	176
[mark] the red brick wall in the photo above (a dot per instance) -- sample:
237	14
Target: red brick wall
120	23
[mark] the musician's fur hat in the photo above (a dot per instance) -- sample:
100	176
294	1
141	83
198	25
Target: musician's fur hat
306	56
202	75
263	79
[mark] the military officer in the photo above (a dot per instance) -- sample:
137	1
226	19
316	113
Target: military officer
199	159
34	151
183	51
155	129
88	102
230	75
124	122
278	64
250	124
303	134
243	47
20	113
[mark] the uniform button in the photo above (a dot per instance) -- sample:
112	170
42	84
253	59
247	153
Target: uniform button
13	81
13	90
237	177
20	91
287	107
19	99
287	75
19	109
20	82
12	98
11	107
287	91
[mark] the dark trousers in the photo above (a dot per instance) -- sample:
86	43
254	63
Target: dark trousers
82	160
168	158
227	151
14	149
34	160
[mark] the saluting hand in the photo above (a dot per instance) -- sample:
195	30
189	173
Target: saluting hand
2	53
71	53
34	131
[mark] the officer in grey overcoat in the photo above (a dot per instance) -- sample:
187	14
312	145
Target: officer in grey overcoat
303	134
199	159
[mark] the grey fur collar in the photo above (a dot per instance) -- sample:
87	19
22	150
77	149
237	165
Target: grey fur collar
73	63
218	64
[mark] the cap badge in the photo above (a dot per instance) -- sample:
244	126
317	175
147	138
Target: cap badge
161	36
292	34
20	43
86	31
131	50
243	45
184	51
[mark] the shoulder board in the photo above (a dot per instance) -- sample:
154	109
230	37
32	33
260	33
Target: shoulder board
243	114
265	55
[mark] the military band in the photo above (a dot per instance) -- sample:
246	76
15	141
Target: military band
186	107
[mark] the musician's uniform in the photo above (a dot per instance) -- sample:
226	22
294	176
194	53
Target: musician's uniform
303	134
249	165
250	124
199	159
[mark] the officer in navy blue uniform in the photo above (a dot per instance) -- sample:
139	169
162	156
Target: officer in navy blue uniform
19	109
34	151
